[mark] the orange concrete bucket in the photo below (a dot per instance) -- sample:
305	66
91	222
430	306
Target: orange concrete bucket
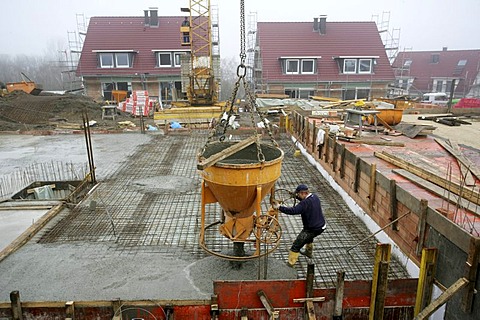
234	180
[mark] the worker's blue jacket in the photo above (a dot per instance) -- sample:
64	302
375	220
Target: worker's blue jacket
311	210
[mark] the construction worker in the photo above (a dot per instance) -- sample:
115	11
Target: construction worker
313	221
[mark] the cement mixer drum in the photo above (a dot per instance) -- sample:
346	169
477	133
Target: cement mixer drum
239	182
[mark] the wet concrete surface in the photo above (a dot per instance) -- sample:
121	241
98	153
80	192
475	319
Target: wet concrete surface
12	224
140	240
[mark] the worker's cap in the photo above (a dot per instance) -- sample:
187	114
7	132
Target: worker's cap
300	188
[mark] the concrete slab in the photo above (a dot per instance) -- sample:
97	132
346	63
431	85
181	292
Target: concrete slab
141	238
13	223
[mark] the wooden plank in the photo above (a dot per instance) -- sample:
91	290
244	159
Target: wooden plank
425	279
422	223
69	310
339	293
412	130
381	290
205	163
430	176
384	123
356	183
342	162
379	143
382	255
442	299
267	304
315	299
442	193
471	271
16	305
474	169
464	164
393	204
372	186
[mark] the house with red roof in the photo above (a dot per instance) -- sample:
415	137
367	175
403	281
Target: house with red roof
344	60
420	72
135	53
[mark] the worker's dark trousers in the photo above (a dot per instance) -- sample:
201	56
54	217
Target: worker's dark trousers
304	237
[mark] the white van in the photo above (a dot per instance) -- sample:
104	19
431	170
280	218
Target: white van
438	98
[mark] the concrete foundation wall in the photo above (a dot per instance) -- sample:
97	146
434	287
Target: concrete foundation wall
384	201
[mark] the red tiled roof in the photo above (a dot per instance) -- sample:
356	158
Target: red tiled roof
130	33
279	39
423	70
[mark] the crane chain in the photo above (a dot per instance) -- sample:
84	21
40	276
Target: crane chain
252	105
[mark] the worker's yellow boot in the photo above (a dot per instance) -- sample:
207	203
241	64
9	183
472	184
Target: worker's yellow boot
308	252
292	258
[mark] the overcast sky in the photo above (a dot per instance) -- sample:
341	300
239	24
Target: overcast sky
36	26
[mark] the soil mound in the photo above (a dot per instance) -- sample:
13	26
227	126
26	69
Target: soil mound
22	111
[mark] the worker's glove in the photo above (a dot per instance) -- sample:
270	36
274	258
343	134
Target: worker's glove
275	205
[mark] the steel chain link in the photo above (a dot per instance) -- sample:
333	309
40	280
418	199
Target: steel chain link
252	105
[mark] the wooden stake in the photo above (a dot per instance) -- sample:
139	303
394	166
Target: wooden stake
422	222
372	187
16	305
340	286
357	175
471	271
342	162
425	279
393	204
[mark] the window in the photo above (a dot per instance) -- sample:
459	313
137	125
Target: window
178	59
307	66
164	59
122	60
350	66
435	58
407	63
108	87
439	86
106	60
459	68
365	66
292	66
115	59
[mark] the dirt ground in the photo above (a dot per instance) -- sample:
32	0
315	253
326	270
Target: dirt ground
24	112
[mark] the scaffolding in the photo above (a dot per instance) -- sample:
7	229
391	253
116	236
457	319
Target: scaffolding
251	48
390	37
71	56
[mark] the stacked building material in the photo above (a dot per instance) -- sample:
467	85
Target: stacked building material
138	104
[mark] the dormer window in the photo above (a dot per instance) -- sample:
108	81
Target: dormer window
435	58
350	66
164	59
356	64
299	65
365	66
122	60
308	66
108	59
169	58
292	66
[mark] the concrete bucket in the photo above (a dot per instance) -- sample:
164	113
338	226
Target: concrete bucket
239	182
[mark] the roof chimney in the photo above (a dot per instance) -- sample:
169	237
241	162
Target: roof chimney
322	26
147	19
444	48
315	24
153	17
